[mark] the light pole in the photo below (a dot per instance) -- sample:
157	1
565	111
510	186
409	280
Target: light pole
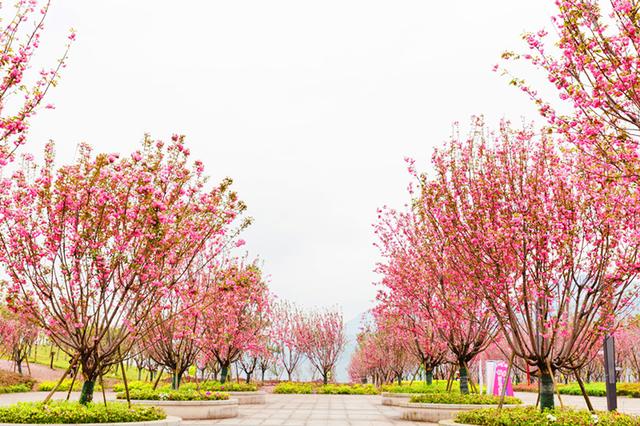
610	372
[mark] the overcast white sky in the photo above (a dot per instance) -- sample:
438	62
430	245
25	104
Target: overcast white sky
309	106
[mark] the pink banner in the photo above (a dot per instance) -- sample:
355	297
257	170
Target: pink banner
499	379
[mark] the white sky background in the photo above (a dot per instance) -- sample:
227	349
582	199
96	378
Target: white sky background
309	106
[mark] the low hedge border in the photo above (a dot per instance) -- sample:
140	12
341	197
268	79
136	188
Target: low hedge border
179	395
532	416
458	398
66	412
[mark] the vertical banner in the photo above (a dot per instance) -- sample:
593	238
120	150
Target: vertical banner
500	379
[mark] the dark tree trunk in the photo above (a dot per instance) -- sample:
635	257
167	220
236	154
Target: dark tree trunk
546	391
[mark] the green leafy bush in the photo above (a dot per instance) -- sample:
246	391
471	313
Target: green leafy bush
173	395
204	386
219	387
458	398
420	387
333	389
628	389
46	386
73	412
15	388
291	387
593	389
532	416
133	385
347	389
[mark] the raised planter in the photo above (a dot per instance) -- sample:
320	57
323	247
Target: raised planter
169	421
255	397
451	422
392	398
196	410
423	412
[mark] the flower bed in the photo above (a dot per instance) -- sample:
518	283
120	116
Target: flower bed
533	416
331	389
65	412
179	395
458	398
204	386
434	407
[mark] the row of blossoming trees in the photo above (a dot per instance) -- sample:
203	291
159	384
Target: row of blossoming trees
127	257
116	257
527	235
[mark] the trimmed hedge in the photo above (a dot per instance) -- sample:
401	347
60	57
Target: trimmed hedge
204	386
16	388
291	387
421	387
593	389
330	389
73	413
522	416
179	395
47	385
347	389
458	398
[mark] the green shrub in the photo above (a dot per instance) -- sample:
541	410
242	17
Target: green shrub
333	389
458	398
628	389
356	389
204	386
15	388
173	395
133	385
73	412
420	387
219	387
522	416
593	389
46	386
291	387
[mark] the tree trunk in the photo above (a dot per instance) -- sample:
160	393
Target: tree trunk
224	370
325	377
288	376
139	374
86	395
429	377
464	379
399	378
175	381
248	378
546	391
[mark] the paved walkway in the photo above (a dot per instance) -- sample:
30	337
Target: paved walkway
327	410
316	410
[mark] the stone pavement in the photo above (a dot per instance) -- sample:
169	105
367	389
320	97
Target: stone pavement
328	410
316	410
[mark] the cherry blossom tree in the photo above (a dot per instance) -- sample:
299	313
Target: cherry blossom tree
552	253
593	63
92	248
286	318
235	313
320	335
17	336
421	274
22	90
